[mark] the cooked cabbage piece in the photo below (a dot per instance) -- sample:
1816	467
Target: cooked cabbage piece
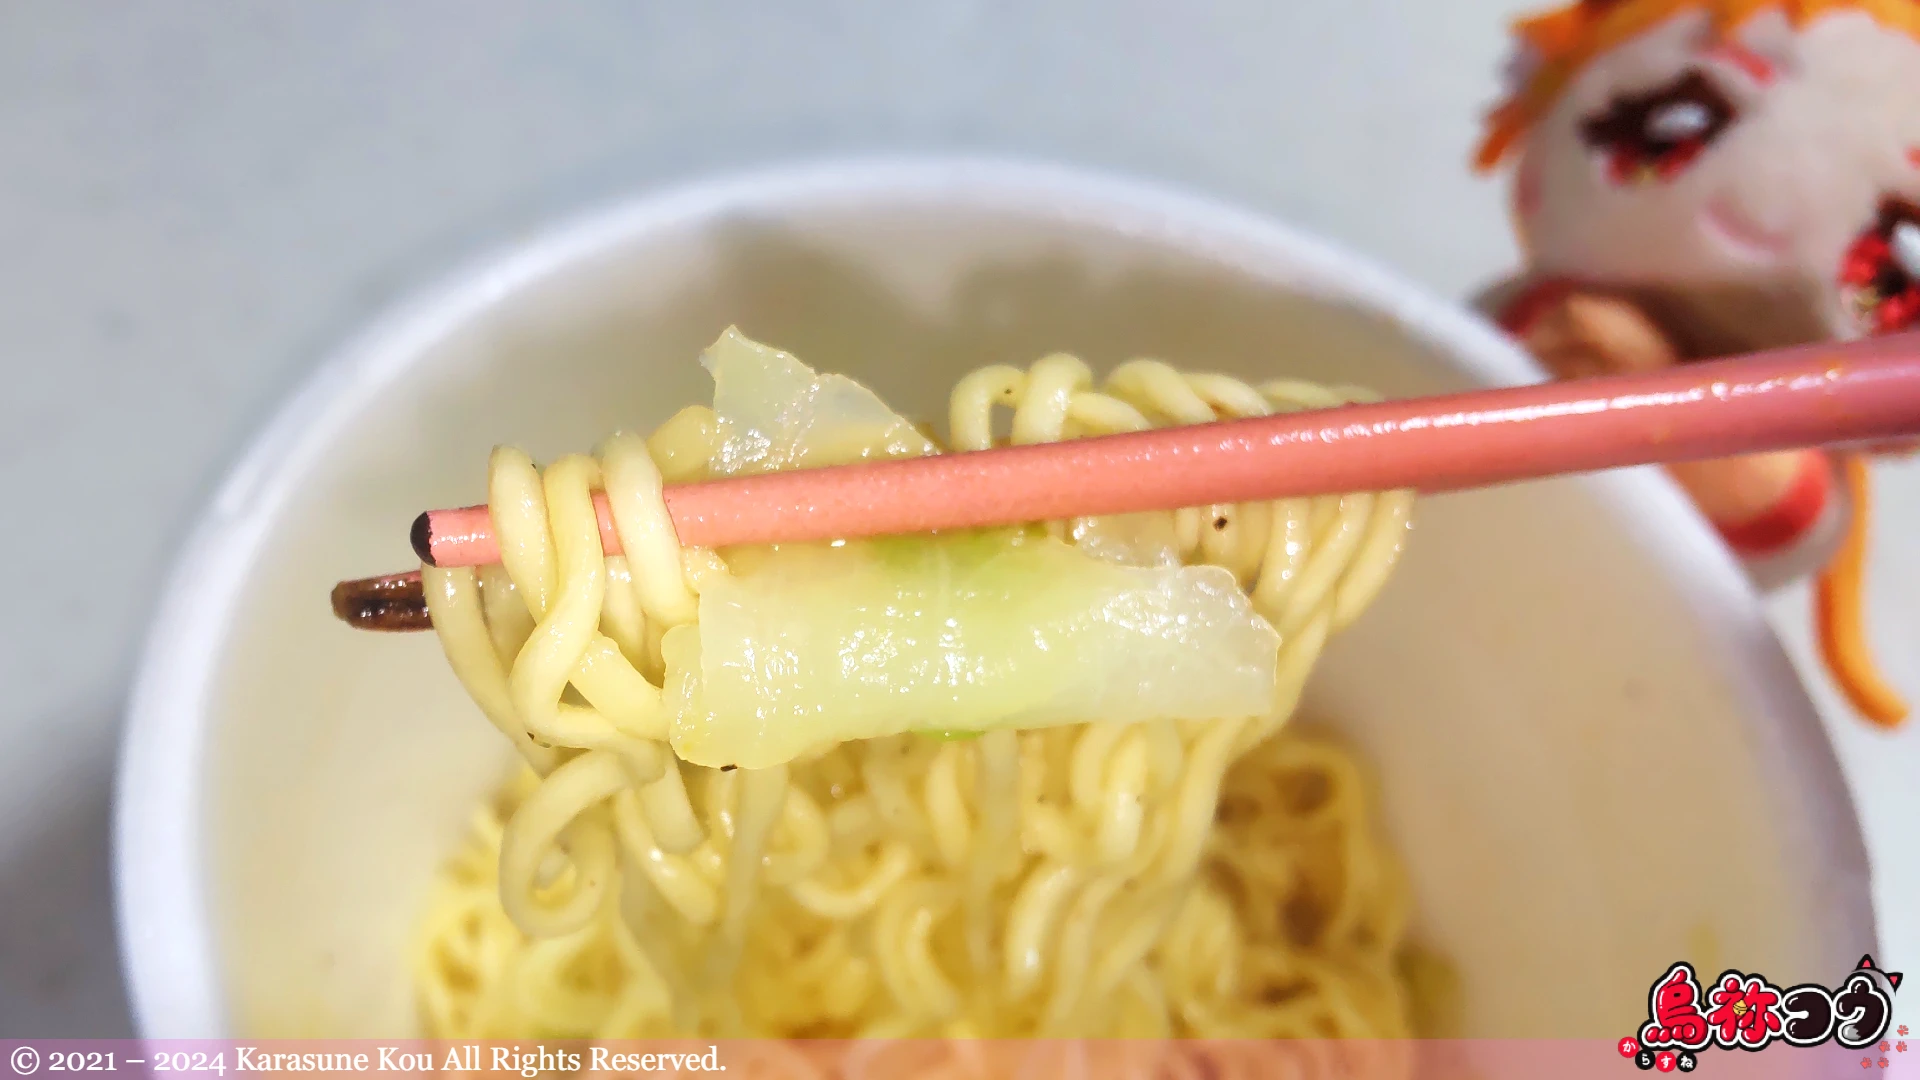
803	646
774	413
818	644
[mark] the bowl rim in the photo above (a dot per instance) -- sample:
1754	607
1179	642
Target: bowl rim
170	957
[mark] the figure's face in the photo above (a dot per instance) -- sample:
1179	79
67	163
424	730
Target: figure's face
1774	157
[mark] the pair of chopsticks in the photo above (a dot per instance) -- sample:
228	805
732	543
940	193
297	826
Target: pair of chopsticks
1855	393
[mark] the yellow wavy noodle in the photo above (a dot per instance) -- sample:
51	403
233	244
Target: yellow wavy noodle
1217	878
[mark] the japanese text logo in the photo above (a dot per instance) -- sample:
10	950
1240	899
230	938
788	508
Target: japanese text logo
1744	1011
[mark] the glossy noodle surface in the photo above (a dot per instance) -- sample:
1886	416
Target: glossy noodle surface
1021	782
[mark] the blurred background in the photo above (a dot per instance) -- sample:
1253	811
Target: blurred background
198	200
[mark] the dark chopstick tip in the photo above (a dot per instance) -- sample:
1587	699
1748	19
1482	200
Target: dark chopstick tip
422	537
393	604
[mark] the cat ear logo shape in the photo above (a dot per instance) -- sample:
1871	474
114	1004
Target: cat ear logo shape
1863	1005
1892	977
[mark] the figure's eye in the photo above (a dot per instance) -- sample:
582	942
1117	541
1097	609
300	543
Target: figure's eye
1880	275
1655	135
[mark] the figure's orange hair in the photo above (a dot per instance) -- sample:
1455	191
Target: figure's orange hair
1566	39
1840	618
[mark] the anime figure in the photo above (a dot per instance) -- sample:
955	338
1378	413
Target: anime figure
1694	178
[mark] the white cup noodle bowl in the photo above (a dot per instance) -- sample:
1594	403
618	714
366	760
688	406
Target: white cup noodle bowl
1593	757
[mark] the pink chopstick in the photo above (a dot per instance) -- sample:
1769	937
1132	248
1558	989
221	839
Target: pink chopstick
1819	395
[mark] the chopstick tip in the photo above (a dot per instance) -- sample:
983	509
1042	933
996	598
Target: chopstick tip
422	537
395	603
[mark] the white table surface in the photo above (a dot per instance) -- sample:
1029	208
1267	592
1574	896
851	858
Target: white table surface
197	199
